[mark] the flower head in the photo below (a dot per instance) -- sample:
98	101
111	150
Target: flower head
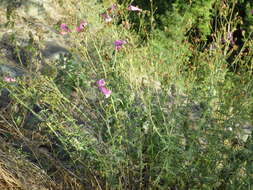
119	44
101	86
9	79
106	17
82	25
251	11
100	83
134	8
64	29
105	91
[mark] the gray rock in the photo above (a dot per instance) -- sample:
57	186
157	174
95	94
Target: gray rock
245	131
4	98
10	71
54	51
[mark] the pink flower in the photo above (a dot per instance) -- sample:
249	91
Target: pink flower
100	83
105	91
9	79
64	29
82	25
119	44
251	11
106	17
101	86
133	8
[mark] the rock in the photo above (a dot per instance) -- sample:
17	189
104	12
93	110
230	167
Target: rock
245	131
28	54
54	51
4	98
10	71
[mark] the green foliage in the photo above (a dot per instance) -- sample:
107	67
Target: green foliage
71	74
195	16
178	114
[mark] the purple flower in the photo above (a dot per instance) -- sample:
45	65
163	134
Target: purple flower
133	8
101	86
82	25
64	29
119	44
251	11
9	79
105	91
106	17
100	83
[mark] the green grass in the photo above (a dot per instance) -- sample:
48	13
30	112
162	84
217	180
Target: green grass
166	125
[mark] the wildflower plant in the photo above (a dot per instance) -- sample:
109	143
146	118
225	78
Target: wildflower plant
119	44
169	113
64	29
